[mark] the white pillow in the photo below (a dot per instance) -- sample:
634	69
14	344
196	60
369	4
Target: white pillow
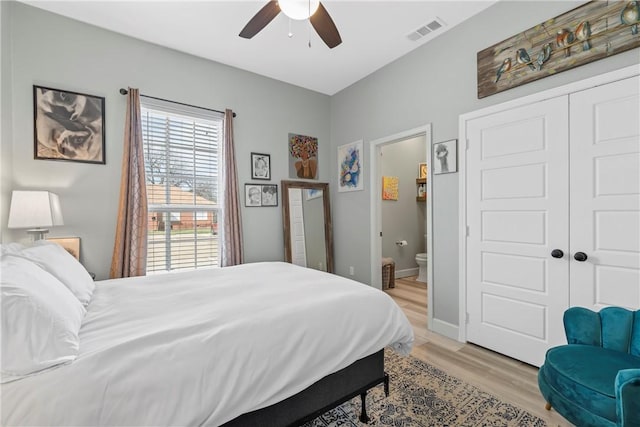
40	319
56	260
11	248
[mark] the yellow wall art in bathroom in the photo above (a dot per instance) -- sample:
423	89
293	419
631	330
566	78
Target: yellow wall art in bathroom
389	188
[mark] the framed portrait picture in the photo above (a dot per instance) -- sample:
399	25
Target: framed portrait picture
252	195
257	195
422	170
303	156
260	166
269	195
445	157
71	244
68	126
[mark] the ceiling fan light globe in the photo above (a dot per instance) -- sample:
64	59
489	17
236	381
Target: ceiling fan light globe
299	9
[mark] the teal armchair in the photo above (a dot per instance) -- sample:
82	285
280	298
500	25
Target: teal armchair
594	380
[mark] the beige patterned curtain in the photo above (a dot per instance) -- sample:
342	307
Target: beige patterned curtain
130	248
232	228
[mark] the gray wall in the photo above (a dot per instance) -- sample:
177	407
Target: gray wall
434	84
6	168
404	219
54	51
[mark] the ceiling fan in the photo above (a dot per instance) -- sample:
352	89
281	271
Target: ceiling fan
299	10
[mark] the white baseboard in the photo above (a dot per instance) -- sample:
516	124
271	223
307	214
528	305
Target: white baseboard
406	273
447	329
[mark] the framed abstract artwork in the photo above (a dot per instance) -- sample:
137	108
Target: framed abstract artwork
313	193
68	126
422	170
390	187
350	167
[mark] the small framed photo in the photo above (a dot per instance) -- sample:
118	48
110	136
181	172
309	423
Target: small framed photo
445	157
260	166
71	244
270	195
252	195
422	170
68	126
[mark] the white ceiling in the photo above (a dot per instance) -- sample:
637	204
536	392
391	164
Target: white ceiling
374	33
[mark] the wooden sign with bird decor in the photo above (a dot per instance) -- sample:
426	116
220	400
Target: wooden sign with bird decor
585	34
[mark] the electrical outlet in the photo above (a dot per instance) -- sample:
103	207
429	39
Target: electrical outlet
352	271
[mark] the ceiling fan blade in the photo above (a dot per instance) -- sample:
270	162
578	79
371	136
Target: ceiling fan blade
260	20
325	27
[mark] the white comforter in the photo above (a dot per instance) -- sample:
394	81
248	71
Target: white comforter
202	347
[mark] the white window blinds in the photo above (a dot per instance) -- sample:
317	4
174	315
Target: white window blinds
182	160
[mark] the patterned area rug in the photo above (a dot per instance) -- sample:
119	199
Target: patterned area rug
423	395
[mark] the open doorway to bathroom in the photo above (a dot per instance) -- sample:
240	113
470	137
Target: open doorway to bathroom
401	228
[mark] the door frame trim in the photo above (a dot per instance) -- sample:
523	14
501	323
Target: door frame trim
588	83
375	212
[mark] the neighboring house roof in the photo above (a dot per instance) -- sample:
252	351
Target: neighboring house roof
157	195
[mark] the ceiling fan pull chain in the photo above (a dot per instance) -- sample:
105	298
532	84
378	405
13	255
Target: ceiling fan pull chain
309	27
290	33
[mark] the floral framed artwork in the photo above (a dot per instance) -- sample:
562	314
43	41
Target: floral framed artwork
303	156
445	157
350	167
70	244
260	166
68	126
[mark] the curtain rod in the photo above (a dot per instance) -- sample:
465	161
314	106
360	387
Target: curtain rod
124	92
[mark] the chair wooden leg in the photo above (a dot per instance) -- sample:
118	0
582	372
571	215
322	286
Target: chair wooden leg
547	406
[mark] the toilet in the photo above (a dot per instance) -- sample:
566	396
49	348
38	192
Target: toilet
421	259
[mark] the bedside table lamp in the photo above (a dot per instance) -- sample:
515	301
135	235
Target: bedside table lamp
35	210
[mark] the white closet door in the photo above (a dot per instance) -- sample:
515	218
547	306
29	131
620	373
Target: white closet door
605	195
517	211
296	227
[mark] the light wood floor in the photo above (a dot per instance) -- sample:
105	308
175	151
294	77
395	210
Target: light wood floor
508	379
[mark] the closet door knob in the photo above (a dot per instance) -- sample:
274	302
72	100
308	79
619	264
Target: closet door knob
557	253
580	256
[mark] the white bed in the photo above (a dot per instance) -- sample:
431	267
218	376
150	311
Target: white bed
203	347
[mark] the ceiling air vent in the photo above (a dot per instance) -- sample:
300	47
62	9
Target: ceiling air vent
425	29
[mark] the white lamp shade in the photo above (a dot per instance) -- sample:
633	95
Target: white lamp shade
299	9
34	209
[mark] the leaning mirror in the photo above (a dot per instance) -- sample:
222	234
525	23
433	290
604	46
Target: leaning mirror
306	219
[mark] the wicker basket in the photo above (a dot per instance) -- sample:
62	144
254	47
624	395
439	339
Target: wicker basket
388	273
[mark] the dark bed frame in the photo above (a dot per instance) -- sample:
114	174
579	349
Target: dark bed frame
322	396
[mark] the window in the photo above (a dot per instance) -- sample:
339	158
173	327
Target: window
182	158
